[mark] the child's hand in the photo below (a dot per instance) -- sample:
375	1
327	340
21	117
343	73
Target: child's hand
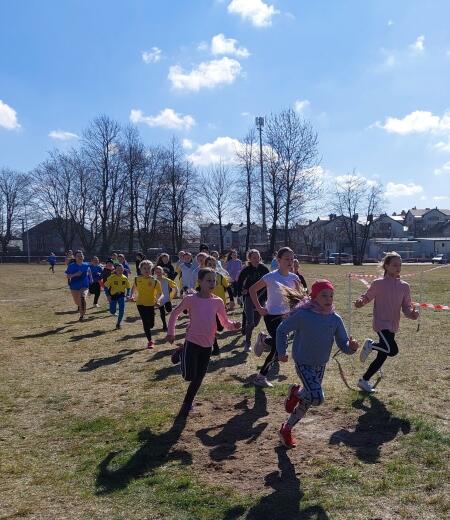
358	304
353	344
170	339
414	314
283	359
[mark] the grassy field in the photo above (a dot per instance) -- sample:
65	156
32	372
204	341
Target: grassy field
87	419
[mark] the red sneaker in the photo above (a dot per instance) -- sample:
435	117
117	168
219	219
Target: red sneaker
286	437
292	399
150	344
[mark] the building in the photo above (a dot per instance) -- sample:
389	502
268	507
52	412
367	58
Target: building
234	236
426	222
45	237
389	226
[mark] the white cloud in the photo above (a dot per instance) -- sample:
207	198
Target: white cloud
167	118
440	197
245	114
300	105
418	121
61	135
187	144
152	56
348	178
443	146
222	45
390	23
257	12
222	149
444	169
418	47
8	117
394	190
207	75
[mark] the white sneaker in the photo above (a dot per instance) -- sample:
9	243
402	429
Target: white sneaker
247	347
365	386
366	350
260	344
96	305
261	380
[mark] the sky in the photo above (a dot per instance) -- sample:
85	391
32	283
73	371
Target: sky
372	76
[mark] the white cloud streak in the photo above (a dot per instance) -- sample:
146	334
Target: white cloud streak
416	122
61	135
222	149
300	105
167	118
152	56
394	190
443	170
257	12
8	117
418	47
220	45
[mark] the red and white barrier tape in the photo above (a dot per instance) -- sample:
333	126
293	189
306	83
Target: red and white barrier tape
435	307
358	276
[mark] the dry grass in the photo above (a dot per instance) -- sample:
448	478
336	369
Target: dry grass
86	420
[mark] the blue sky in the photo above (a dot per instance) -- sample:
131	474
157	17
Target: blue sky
373	77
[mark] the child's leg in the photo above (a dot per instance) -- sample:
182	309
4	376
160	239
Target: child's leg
251	318
121	303
147	314
311	394
83	294
162	312
272	322
386	347
76	298
194	364
96	292
112	306
215	350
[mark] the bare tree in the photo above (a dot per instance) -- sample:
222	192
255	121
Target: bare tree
217	193
101	147
247	161
294	142
13	195
274	192
357	200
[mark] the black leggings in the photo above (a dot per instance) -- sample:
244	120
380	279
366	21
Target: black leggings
219	329
165	308
194	365
94	288
272	321
386	347
147	313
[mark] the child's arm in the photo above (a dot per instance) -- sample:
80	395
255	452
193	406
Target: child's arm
368	296
347	344
158	291
408	308
224	320
184	305
284	328
173	286
253	291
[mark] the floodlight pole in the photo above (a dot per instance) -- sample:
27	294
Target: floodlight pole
259	125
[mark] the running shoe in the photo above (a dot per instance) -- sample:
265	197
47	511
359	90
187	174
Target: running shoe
365	386
118	326
150	344
247	347
366	350
292	399
260	344
261	380
286	437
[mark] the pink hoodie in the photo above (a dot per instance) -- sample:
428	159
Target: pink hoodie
202	326
390	295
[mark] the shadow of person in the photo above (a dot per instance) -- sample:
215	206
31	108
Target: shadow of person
375	427
241	427
95	363
284	503
154	452
46	333
88	335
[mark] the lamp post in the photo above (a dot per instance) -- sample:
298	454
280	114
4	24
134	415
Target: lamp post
259	121
28	235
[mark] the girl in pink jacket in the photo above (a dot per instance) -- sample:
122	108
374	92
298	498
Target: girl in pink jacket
391	295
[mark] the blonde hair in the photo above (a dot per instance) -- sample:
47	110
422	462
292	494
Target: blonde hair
251	252
146	262
388	257
293	296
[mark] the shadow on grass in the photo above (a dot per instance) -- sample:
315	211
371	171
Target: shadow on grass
241	427
45	333
131	336
155	451
95	363
375	427
63	313
88	335
285	501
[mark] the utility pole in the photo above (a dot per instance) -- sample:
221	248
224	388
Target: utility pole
259	125
28	236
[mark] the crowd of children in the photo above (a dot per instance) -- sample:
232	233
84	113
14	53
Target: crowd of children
279	296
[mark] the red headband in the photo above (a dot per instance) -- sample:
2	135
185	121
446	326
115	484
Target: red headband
320	285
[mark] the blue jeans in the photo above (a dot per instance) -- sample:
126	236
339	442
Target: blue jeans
113	306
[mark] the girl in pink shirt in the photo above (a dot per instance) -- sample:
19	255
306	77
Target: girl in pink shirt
391	295
203	307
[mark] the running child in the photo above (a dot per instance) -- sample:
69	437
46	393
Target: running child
125	265
185	271
252	273
391	295
51	262
200	260
107	271
274	310
148	291
96	272
234	267
163	260
169	290
316	327
203	307
296	270
137	261
117	288
79	277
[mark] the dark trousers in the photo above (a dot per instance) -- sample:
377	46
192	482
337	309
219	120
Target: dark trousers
219	329
272	321
94	288
194	365
386	347
147	313
165	308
